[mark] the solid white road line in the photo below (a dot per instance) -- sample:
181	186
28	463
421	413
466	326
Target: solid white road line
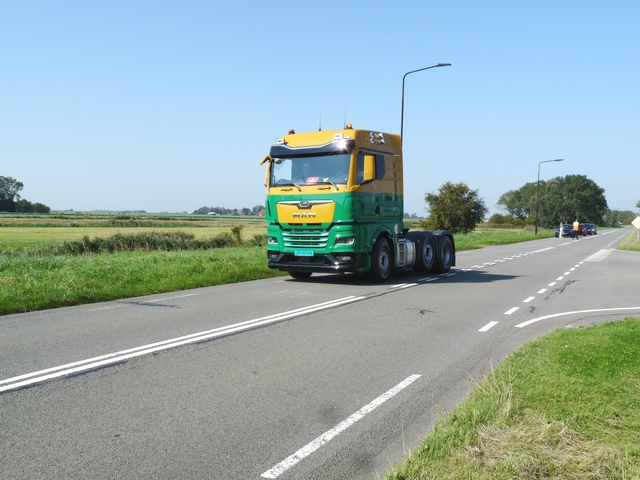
307	450
598	310
110	358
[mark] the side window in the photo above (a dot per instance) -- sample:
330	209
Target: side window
380	167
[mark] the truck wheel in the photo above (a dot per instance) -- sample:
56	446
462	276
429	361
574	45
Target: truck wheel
426	254
300	275
445	255
381	261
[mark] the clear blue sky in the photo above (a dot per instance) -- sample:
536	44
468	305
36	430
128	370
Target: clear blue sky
168	106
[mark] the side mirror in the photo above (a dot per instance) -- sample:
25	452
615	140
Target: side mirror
267	175
369	168
266	159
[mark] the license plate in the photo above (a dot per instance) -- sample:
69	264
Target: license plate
303	253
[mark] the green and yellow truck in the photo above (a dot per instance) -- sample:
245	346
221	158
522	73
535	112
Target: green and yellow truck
335	205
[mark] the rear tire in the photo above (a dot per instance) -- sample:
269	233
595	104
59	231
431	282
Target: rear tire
381	261
445	255
426	258
300	275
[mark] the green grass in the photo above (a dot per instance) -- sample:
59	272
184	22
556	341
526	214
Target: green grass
565	406
484	237
631	242
34	282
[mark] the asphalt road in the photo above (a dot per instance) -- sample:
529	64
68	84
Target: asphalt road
329	378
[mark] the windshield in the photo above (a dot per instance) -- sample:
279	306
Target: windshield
326	169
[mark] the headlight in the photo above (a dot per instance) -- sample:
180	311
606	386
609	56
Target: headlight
345	241
272	241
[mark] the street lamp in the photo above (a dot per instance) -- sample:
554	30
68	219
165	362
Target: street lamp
538	186
405	76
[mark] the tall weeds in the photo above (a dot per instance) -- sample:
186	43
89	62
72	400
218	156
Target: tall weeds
149	242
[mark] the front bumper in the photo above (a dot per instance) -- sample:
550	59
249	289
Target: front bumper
328	263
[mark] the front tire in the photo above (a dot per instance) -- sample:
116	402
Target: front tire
300	275
381	261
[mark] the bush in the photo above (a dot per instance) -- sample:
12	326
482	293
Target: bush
505	221
150	241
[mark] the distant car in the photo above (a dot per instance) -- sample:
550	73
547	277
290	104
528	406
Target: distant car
583	229
591	229
566	230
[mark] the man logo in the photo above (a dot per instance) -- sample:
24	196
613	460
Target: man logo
304	215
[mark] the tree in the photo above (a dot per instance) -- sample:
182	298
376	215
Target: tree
638	204
561	199
455	207
573	197
9	193
257	209
24	206
615	218
517	202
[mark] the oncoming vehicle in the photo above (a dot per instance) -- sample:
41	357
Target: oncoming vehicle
566	230
335	204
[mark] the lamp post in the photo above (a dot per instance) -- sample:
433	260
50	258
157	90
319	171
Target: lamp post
405	76
538	187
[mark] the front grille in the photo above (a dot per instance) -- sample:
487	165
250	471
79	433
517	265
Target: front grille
305	238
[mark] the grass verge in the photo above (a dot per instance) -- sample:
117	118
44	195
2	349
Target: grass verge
631	242
565	406
485	237
30	282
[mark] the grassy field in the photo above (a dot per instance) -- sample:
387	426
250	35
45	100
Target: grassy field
53	266
30	231
565	406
